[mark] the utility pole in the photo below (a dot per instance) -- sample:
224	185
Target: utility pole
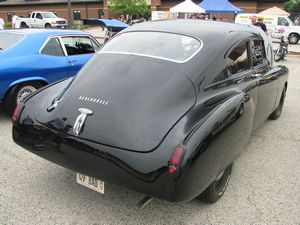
70	23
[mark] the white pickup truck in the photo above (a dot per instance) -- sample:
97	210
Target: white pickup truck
43	19
277	26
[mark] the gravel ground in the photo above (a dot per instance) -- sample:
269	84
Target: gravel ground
264	188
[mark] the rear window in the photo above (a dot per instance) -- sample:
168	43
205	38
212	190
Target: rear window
173	47
8	39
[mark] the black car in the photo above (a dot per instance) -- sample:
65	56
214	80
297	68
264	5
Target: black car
164	108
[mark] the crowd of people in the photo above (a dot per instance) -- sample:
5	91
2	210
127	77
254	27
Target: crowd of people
202	16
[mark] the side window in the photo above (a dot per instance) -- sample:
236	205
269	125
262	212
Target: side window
258	52
39	16
95	45
78	45
237	60
282	22
53	48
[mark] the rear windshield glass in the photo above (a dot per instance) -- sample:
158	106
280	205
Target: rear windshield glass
8	39
173	47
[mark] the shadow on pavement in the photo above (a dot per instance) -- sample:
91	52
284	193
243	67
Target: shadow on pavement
3	114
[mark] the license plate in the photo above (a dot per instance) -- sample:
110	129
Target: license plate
90	182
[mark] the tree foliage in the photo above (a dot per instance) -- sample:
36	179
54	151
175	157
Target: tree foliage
292	6
131	7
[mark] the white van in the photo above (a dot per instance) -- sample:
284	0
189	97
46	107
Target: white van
277	26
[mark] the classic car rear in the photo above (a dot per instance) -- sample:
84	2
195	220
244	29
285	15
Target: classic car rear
163	108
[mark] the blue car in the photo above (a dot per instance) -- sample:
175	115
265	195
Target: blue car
32	58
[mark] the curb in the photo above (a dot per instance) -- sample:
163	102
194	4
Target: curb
293	53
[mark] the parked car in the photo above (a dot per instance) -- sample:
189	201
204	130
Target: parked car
31	59
164	108
39	19
277	26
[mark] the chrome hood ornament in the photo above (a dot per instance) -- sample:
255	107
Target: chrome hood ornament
80	120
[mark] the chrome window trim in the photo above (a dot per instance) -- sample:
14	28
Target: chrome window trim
94	39
157	57
46	42
79	35
7	32
61	41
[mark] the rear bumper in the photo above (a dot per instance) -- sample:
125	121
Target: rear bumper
142	172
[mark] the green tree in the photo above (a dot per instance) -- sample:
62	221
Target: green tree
130	7
292	6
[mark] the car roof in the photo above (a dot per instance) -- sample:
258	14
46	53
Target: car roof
197	28
45	32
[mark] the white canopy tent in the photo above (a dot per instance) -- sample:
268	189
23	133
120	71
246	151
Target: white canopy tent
275	11
187	7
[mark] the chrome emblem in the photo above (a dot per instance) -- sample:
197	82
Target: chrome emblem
81	119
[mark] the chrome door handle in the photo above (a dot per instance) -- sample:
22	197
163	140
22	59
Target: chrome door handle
256	75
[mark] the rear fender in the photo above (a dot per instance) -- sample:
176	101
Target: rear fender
28	79
216	141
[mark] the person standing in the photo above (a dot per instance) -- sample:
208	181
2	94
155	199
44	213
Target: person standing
2	24
260	23
297	21
15	22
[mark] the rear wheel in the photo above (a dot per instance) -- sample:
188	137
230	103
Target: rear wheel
277	112
294	38
23	25
18	93
217	188
278	55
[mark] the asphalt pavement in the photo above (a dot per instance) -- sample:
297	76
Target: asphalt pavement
264	187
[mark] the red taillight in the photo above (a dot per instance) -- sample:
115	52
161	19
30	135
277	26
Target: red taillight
16	113
175	159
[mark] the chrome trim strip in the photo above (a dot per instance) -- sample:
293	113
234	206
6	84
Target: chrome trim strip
61	42
156	57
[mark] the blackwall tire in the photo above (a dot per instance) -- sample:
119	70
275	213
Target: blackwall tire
277	112
294	39
17	94
23	25
217	188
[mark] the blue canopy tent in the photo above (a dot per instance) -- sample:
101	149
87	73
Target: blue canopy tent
219	7
111	24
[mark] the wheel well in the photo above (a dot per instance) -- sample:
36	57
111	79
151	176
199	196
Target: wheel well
41	82
295	34
47	24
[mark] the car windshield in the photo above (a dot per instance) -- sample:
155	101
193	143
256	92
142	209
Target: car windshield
167	46
9	39
49	15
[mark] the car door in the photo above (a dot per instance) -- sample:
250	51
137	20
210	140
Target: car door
79	50
37	21
237	77
268	82
53	60
281	28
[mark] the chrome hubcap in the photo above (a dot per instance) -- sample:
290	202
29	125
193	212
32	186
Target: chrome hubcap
24	92
293	39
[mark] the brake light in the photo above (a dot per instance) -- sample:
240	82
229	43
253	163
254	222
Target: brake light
176	159
16	113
